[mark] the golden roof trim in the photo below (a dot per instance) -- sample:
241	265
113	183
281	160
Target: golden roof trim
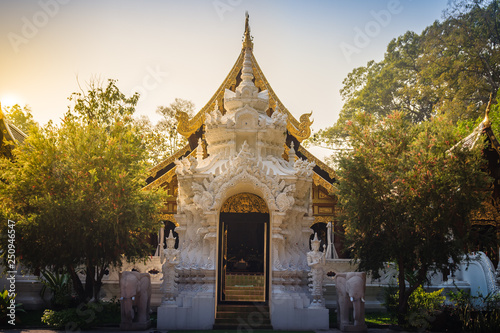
166	178
154	170
485	222
169	217
487	214
7	127
323	219
319	181
485	128
322	165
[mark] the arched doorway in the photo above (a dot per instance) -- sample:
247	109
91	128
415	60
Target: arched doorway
243	250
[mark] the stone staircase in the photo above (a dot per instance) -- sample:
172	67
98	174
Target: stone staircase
245	288
230	317
245	294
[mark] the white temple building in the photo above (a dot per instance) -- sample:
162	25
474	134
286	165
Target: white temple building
244	189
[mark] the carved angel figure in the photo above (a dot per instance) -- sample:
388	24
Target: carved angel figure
169	284
316	261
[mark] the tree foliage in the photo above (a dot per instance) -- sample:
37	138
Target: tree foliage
406	193
461	57
22	118
75	190
102	104
449	69
163	140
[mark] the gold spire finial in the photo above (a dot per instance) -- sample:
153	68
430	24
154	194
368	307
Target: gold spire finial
247	41
486	120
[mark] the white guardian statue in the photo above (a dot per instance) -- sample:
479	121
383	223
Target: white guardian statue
316	261
169	284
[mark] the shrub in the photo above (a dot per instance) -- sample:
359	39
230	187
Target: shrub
422	306
83	316
479	313
67	319
60	286
110	313
391	301
5	302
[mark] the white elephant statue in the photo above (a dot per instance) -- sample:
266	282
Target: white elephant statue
135	290
351	288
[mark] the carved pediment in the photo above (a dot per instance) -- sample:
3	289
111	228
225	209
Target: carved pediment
244	203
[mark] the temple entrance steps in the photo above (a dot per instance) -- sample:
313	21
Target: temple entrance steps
231	316
244	279
245	288
245	294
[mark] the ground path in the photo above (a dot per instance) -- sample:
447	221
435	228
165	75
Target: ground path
116	329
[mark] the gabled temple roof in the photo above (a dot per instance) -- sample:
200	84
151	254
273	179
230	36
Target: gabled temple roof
299	129
483	128
488	214
193	129
10	135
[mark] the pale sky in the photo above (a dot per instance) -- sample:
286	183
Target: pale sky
185	49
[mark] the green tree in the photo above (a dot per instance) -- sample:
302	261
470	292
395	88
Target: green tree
393	84
406	193
167	126
450	68
75	190
163	140
22	118
461	57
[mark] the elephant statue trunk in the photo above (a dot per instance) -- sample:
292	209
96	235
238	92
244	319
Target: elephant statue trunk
127	309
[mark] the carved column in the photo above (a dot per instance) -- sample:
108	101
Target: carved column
277	239
181	232
211	239
307	221
159	250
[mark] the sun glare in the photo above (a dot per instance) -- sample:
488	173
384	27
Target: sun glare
8	100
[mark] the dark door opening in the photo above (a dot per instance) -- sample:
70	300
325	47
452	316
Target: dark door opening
243	259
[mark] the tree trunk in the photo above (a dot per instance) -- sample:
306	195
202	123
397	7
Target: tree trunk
89	282
405	293
77	284
403	298
97	290
98	283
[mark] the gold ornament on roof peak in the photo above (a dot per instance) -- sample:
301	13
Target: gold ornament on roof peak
247	38
300	130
